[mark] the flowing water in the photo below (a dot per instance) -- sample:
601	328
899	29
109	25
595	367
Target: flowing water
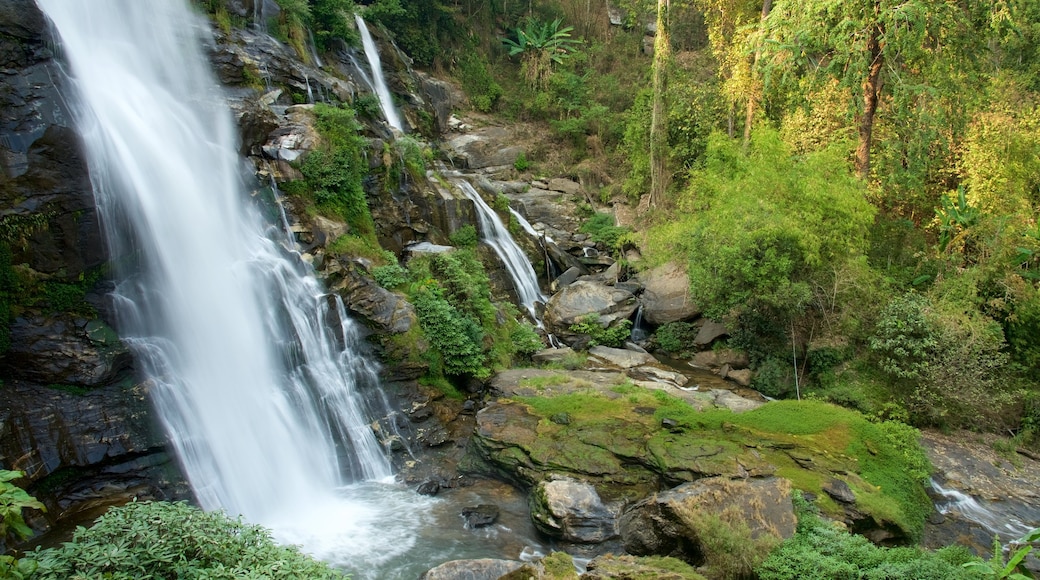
495	234
386	101
1000	519
254	369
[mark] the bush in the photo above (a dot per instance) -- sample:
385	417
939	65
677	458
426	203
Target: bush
390	276
601	228
821	551
465	237
676	337
614	336
174	541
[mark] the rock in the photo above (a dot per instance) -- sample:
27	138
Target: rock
483	148
483	569
621	358
567	278
611	567
709	333
440	96
741	376
294	137
429	487
734	402
571	510
666	525
378	307
666	295
839	490
552	355
64	349
658	374
584	298
564	186
715	359
480	516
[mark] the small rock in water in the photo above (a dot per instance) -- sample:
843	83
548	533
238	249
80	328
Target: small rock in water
428	487
480	516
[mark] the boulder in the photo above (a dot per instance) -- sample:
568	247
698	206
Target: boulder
480	516
621	358
482	569
585	298
378	307
665	296
567	278
669	524
440	96
571	510
716	359
611	567
552	355
564	185
709	332
740	376
486	147
657	374
729	400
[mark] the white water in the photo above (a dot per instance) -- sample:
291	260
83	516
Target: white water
1000	522
495	234
386	102
253	367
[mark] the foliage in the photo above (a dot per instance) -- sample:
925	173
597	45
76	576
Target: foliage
456	337
465	237
541	45
174	541
294	18
676	337
613	336
13	500
521	164
904	340
390	276
821	551
1017	551
331	20
334	171
730	550
477	81
601	228
419	26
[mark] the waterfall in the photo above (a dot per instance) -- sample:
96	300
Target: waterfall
495	234
386	102
253	368
999	520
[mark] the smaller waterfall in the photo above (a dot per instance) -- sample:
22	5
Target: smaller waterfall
990	516
495	234
386	102
640	331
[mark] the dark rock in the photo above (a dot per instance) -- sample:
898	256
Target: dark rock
428	487
670	424
839	490
480	516
709	333
612	567
561	418
65	349
378	307
666	297
567	278
715	359
584	298
440	96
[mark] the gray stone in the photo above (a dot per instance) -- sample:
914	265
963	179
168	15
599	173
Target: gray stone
585	298
567	278
564	186
486	147
666	295
572	511
621	358
480	516
709	333
551	355
658	374
734	402
716	359
482	569
840	491
740	376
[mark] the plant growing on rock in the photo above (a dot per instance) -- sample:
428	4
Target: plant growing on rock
613	336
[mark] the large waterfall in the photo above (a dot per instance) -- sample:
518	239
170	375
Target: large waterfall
252	366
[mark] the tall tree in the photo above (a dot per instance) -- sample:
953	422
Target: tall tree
867	45
755	91
659	175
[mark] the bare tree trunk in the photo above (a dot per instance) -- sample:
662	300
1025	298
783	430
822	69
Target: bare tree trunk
754	90
871	97
659	118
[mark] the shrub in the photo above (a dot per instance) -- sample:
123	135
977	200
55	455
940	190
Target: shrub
676	337
601	228
334	171
465	237
174	541
613	336
390	276
477	82
456	337
521	163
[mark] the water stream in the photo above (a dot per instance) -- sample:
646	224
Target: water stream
386	101
495	234
254	369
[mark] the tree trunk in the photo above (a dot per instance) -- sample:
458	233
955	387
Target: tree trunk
754	90
871	96
659	118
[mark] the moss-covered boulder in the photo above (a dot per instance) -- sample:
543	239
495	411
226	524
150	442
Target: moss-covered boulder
629	442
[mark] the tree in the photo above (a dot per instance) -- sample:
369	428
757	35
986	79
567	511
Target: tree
870	46
540	46
659	116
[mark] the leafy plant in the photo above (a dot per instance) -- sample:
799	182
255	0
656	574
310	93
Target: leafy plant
1000	569
13	500
540	46
172	541
613	336
521	163
601	228
676	337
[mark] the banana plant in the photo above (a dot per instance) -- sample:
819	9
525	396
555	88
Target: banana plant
541	45
997	568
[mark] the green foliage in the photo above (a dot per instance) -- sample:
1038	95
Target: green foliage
457	338
821	551
601	228
465	237
766	228
419	27
477	81
174	541
334	171
613	336
730	550
904	340
1012	568
13	500
541	45
294	18
390	276
521	164
333	19
676	337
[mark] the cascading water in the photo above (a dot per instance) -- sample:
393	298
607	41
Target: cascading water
386	102
495	234
1000	520
253	368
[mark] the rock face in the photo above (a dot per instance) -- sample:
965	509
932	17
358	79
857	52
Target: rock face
665	296
572	511
484	569
670	523
585	298
65	349
483	148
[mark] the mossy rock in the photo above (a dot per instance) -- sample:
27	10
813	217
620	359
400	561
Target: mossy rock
633	568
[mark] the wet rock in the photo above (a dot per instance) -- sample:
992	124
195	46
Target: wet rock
441	98
378	307
480	516
666	295
709	333
483	569
65	349
666	524
572	511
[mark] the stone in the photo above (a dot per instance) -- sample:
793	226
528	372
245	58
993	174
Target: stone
567	278
428	487
585	298
840	491
729	400
621	567
661	525
552	355
481	569
480	516
658	375
665	297
571	510
378	307
564	185
622	358
64	349
716	359
483	148
709	332
740	376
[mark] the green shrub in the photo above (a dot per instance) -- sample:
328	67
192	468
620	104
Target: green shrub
601	228
334	171
613	336
477	82
821	551
457	338
521	163
465	237
174	541
676	337
390	276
